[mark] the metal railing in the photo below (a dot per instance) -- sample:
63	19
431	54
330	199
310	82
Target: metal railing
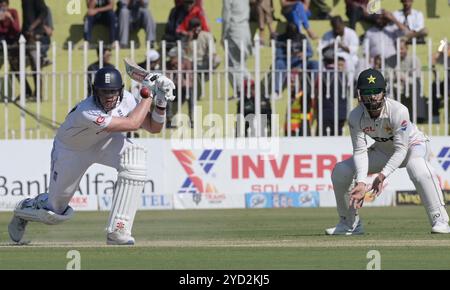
58	91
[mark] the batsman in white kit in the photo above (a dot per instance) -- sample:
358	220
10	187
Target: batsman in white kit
398	143
93	133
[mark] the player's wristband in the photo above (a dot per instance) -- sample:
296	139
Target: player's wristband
158	118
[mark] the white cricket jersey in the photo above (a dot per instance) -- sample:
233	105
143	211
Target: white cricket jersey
392	131
85	125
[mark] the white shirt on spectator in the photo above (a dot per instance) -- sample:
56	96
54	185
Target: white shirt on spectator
414	21
382	42
349	39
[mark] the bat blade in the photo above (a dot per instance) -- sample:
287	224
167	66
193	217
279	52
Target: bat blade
134	71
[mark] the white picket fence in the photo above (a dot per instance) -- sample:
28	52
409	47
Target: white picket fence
73	88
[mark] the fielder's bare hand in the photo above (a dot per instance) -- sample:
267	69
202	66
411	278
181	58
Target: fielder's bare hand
357	195
377	185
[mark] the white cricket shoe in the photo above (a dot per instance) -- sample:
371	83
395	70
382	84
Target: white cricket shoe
118	238
343	229
440	228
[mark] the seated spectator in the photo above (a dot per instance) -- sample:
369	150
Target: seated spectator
45	39
264	13
347	39
408	75
133	15
382	37
95	66
412	20
176	17
438	85
9	23
296	56
100	11
195	9
297	95
10	32
203	38
186	87
154	61
294	11
357	10
249	109
35	19
321	8
328	98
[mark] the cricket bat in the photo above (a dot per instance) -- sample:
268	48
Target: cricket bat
136	72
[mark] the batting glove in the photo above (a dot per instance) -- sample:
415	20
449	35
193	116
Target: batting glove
150	81
163	91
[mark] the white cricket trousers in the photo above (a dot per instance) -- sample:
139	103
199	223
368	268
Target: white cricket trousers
69	166
419	170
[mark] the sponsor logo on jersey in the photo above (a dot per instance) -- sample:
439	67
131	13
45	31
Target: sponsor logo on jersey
404	125
368	129
444	158
388	129
383	139
100	120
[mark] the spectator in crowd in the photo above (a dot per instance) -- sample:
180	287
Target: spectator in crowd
295	12
323	10
203	39
264	12
409	73
328	95
100	11
358	10
412	21
249	111
186	86
176	17
10	32
347	41
297	95
9	23
46	38
195	10
438	85
133	15
153	59
236	30
35	20
382	37
281	63
95	66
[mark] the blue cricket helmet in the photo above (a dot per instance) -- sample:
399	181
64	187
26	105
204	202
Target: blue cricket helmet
107	79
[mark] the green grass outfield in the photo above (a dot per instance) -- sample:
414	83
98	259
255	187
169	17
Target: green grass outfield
234	239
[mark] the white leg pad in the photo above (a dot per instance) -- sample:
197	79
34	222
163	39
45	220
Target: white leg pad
127	193
34	210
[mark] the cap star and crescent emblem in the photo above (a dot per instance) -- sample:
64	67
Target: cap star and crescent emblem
371	79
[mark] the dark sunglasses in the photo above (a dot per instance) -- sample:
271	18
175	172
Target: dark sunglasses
370	92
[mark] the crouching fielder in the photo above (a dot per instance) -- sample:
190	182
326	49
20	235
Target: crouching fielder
398	143
92	133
